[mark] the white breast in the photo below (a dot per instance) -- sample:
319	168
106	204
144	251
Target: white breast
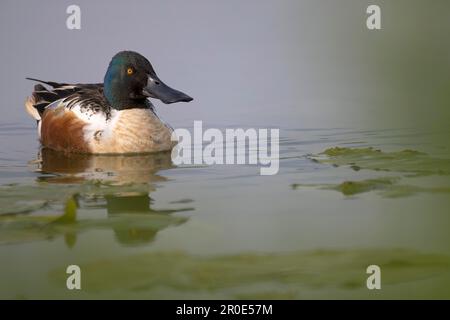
129	131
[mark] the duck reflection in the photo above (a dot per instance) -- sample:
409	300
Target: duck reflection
120	169
120	184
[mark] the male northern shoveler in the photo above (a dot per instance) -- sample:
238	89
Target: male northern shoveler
113	117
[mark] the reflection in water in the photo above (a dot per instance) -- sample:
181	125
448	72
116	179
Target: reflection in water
120	169
119	184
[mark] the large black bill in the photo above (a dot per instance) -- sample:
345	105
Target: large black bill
157	89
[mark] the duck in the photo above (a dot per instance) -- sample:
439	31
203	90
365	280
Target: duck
113	117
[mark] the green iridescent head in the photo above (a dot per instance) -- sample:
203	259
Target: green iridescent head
131	79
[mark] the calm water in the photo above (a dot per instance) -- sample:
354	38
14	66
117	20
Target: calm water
140	227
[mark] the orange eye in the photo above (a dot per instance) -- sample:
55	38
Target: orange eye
130	71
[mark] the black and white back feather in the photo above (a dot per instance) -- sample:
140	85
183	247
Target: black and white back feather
87	98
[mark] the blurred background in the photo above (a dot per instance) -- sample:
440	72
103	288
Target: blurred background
312	63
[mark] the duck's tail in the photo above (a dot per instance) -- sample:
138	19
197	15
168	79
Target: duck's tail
31	110
41	97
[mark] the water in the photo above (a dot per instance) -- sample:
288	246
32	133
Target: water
143	228
140	227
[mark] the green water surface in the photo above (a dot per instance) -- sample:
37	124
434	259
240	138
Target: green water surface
140	227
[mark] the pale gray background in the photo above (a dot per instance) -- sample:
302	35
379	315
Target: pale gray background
280	63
